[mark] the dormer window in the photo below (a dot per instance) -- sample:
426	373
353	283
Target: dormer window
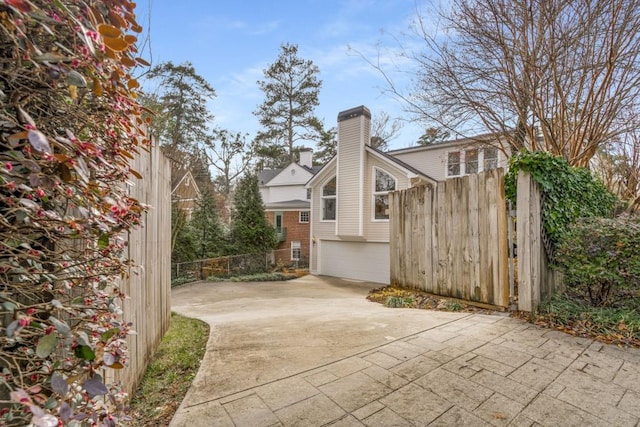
384	182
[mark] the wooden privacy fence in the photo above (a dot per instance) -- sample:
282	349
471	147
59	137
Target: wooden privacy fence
451	239
148	286
536	279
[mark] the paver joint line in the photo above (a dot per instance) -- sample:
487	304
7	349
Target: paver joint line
467	370
325	364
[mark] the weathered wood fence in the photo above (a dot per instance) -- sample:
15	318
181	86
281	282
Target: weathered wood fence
148	286
536	279
451	239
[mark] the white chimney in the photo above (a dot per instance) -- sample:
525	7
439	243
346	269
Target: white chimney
354	131
306	157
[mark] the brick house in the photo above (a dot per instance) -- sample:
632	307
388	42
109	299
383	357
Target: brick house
287	207
184	191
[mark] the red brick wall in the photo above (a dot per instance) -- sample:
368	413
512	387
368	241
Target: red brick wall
296	231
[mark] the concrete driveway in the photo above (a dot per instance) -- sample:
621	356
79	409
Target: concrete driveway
314	352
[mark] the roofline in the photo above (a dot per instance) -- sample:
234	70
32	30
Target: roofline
409	170
477	139
280	170
317	174
195	185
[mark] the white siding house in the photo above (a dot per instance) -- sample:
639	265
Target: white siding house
349	204
349	195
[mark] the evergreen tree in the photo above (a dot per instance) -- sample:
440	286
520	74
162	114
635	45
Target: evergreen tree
181	119
185	244
291	90
433	135
250	231
327	147
207	228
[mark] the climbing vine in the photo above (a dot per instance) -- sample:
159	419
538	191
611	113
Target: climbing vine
569	192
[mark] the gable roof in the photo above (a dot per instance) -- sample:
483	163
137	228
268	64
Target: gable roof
267	175
385	157
186	177
320	171
313	169
399	163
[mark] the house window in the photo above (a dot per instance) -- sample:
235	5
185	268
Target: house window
490	158
329	200
281	231
295	251
304	216
383	184
308	194
453	163
471	161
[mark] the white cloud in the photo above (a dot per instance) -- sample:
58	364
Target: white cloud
235	25
264	28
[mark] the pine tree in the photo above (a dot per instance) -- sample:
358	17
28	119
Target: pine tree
327	147
291	90
250	231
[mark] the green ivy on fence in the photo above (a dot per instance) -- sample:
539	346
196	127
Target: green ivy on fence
569	192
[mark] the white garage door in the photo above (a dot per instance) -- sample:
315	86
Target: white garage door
355	260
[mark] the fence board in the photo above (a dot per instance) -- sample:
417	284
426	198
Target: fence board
536	279
149	282
451	239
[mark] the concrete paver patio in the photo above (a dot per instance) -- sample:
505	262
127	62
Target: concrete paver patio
314	352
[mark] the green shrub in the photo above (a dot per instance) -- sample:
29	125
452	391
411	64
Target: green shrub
600	257
569	192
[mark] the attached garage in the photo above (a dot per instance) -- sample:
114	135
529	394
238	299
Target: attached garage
354	260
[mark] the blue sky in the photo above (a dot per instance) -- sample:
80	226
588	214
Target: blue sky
231	42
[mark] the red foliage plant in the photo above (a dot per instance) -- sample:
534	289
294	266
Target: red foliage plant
69	127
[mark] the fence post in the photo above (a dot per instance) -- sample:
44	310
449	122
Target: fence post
529	243
510	216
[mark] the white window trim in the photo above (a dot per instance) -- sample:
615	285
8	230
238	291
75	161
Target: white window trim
295	244
446	164
463	161
300	217
379	193
323	197
481	162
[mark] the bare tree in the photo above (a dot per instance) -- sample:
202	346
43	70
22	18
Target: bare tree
619	167
552	75
230	154
384	130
